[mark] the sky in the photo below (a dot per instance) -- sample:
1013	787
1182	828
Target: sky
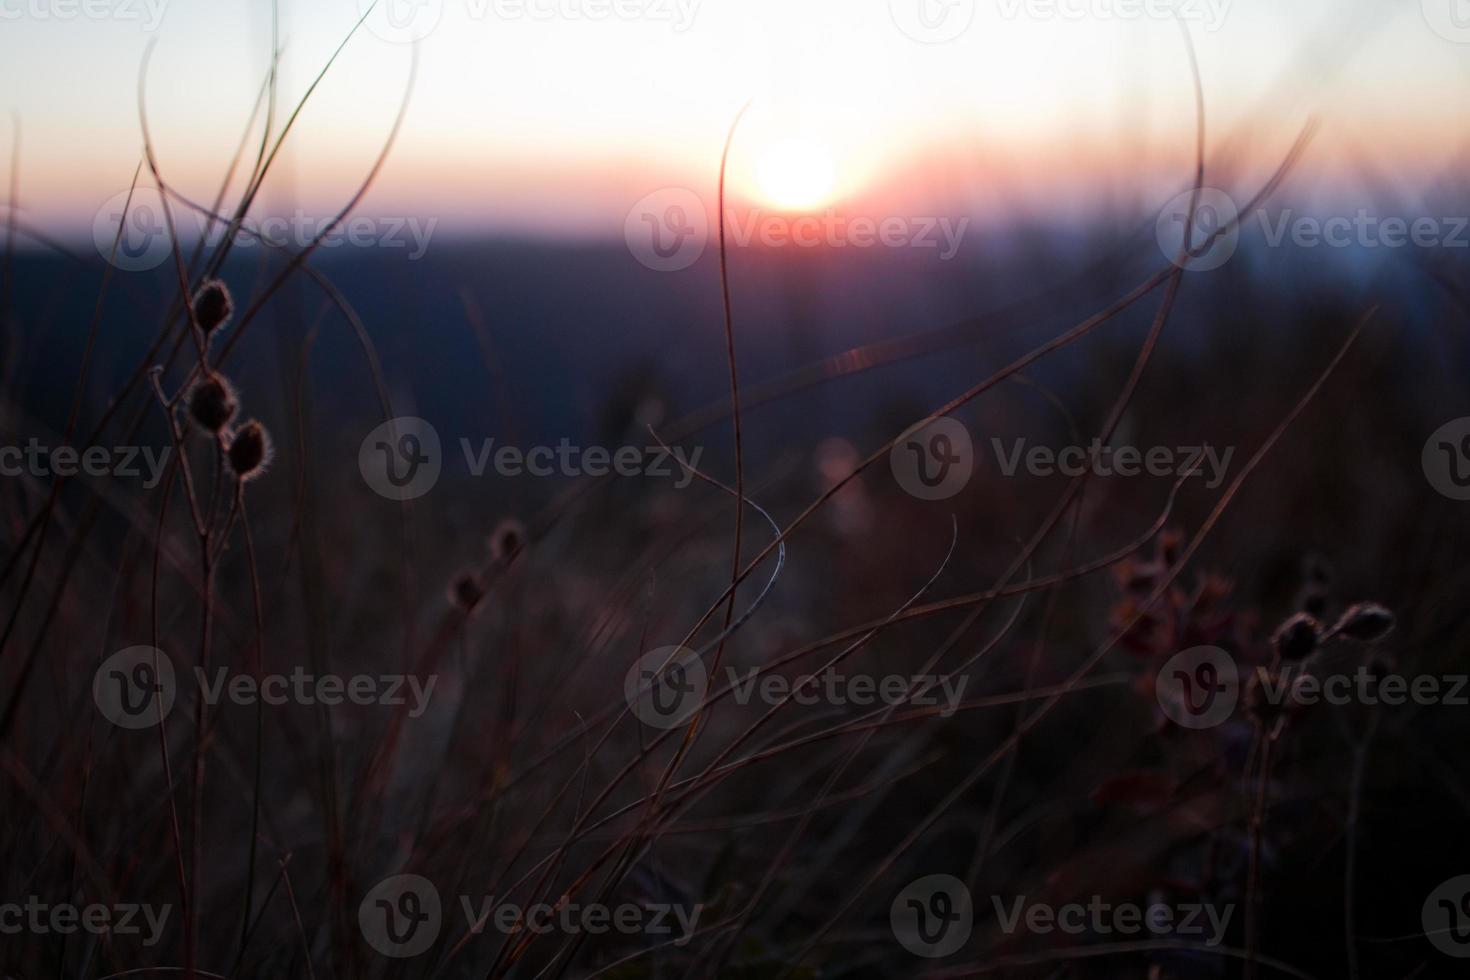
553	117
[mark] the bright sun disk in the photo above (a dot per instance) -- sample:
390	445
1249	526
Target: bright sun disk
796	173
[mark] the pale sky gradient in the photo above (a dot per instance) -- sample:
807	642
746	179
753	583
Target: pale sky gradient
557	124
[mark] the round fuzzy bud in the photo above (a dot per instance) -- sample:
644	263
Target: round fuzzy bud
466	592
506	541
212	404
1366	622
213	306
1297	638
250	450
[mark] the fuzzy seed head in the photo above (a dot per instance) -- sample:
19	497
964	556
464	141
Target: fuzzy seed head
1366	622
212	404
250	450
466	592
213	305
506	541
1297	638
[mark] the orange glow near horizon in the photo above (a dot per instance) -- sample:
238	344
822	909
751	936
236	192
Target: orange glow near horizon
558	126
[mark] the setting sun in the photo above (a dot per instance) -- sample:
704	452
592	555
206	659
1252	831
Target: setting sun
796	173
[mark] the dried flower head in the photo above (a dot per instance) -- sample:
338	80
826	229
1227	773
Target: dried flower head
250	450
213	305
466	592
1298	637
506	541
212	404
1366	622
